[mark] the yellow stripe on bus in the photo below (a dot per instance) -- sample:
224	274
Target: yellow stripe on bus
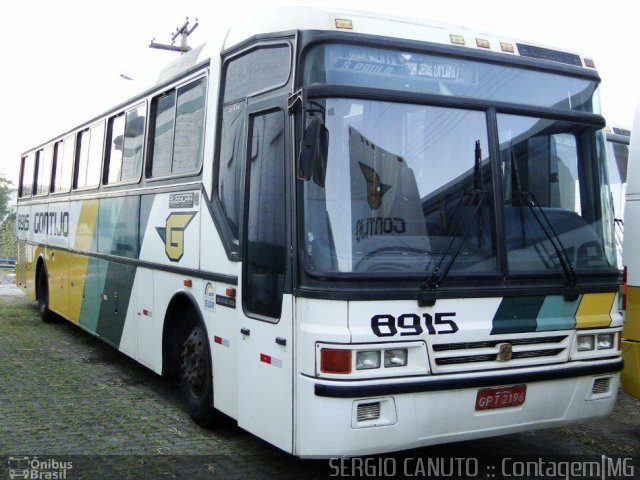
595	310
77	264
631	373
631	329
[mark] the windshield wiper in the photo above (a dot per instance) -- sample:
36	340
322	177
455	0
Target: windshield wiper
427	294
528	199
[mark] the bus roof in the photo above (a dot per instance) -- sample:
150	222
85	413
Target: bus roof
291	19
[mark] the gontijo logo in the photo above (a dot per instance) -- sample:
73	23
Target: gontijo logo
172	234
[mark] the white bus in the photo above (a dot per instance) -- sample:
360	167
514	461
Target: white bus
617	163
631	285
352	234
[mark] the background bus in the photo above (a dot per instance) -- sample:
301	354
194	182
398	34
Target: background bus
351	234
617	163
631	286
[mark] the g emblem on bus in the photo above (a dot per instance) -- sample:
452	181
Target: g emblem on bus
172	234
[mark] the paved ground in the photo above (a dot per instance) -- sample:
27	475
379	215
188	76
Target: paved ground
65	395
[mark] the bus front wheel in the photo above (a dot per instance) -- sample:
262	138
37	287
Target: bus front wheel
195	375
46	315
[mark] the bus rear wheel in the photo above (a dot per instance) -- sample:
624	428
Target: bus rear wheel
195	375
46	315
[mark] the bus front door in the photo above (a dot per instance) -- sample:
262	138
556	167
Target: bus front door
265	363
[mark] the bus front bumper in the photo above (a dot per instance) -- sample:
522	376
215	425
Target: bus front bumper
338	418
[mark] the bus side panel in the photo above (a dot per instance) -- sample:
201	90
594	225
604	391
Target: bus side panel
58	259
221	318
83	219
220	312
631	331
171	237
23	224
28	265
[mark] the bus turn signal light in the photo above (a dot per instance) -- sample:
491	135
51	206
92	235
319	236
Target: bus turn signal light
335	361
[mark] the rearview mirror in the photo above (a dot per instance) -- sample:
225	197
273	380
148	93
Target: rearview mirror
314	148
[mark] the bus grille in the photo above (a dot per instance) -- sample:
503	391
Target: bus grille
481	355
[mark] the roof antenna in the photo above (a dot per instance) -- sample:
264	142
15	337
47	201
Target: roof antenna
183	32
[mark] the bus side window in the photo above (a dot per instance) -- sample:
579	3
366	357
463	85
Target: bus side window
42	171
115	142
62	165
187	146
230	166
89	157
162	138
177	130
133	144
259	70
126	142
26	176
265	227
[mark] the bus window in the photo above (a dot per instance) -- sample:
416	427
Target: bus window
89	160
265	259
126	140
178	130
163	135
260	70
550	176
231	151
62	164
26	176
42	171
95	156
116	141
133	144
187	148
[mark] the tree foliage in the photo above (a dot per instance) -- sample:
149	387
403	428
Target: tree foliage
4	195
8	237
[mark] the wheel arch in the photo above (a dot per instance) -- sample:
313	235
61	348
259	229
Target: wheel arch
174	330
41	267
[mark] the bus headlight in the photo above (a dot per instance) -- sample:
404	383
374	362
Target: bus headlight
605	341
586	342
395	358
368	359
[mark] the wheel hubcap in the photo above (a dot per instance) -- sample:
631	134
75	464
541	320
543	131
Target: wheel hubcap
194	362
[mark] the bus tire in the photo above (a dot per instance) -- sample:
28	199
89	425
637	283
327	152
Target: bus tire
46	315
194	372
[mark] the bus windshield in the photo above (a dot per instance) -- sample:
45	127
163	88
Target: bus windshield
407	186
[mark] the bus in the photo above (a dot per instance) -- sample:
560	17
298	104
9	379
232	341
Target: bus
631	273
349	232
617	163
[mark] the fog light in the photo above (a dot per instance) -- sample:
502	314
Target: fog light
605	341
368	359
395	358
586	342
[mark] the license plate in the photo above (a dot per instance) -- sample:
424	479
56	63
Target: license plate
502	397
